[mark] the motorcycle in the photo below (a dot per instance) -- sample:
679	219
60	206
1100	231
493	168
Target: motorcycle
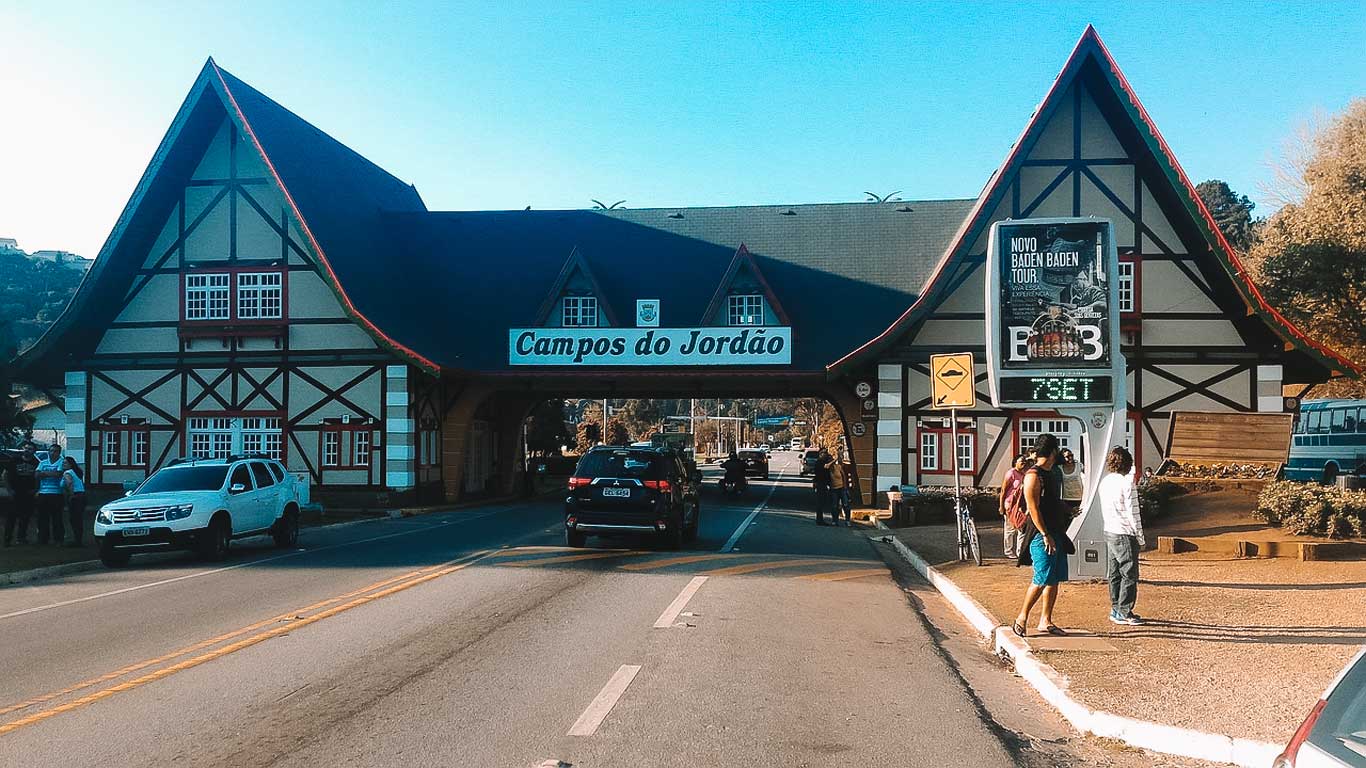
733	486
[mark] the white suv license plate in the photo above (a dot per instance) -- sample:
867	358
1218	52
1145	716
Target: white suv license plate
139	531
619	492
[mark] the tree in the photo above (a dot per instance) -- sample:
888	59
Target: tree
1232	212
13	424
588	435
546	430
1310	258
616	432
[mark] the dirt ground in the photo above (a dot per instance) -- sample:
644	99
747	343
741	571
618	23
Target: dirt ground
1237	647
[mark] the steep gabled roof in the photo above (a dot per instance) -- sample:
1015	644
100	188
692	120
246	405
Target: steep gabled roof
575	263
1090	48
744	260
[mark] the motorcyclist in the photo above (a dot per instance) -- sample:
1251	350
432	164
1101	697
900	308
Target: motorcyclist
735	472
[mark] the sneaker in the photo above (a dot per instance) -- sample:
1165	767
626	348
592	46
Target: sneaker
1130	620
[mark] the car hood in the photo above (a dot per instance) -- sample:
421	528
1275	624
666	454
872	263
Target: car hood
170	498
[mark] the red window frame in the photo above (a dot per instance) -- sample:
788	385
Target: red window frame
232	318
346	448
945	438
123	434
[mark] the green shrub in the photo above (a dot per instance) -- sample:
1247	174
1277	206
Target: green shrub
934	503
1306	509
1155	495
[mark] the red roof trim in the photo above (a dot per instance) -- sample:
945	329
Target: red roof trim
322	257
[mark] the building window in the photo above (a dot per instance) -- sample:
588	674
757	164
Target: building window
331	448
206	297
746	309
965	452
1031	428
428	447
360	442
137	447
1126	287
262	436
260	295
112	446
580	312
209	437
929	450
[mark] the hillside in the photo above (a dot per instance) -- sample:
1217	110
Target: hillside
32	295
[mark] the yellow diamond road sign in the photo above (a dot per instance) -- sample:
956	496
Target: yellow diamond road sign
951	381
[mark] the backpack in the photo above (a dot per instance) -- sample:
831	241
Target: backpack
1016	513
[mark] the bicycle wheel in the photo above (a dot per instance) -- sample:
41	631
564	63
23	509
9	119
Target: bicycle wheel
972	539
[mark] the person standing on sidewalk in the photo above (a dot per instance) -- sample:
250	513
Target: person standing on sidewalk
50	500
21	483
73	487
1049	546
1013	514
839	491
820	480
1123	534
1073	482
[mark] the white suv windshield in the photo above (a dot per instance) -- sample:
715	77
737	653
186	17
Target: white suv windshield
185	479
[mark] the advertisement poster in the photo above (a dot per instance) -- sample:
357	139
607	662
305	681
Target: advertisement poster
1055	307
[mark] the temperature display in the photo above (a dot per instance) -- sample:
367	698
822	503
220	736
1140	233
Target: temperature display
1056	390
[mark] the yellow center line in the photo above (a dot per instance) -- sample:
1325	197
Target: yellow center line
736	570
856	573
202	644
573	558
422	576
665	563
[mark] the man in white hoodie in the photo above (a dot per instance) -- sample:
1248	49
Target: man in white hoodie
1123	534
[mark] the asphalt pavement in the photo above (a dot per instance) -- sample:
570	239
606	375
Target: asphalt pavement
474	637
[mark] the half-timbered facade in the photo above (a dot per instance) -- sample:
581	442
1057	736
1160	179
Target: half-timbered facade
268	290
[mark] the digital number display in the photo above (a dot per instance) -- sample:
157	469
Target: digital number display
1056	390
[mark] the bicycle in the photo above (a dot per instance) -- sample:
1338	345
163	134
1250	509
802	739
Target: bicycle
967	530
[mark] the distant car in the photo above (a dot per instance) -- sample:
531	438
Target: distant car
203	505
1334	733
765	447
756	463
624	491
810	459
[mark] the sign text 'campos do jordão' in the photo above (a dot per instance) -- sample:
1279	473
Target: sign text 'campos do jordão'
758	345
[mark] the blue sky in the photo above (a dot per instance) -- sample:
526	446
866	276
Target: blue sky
507	104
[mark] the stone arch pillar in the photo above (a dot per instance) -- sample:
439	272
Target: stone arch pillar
862	448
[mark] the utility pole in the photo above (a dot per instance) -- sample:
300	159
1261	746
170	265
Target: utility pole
604	421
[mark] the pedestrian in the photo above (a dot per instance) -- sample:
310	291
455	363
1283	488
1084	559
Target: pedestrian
1049	546
21	484
73	487
1012	507
839	490
1073	482
1123	534
7	503
50	500
820	480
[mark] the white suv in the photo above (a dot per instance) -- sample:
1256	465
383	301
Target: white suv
202	504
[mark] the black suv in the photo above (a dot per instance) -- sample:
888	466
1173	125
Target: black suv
625	491
756	463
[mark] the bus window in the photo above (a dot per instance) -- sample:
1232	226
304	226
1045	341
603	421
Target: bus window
1338	420
1299	424
1351	425
1361	420
1314	418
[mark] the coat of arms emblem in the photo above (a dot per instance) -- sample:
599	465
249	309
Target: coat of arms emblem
647	312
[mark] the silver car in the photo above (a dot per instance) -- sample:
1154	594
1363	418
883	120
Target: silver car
1334	733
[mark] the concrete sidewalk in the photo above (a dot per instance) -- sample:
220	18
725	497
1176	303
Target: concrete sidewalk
1234	647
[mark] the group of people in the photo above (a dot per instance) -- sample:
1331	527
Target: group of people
831	482
52	488
1040	495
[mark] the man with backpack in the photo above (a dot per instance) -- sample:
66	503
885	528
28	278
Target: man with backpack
1013	513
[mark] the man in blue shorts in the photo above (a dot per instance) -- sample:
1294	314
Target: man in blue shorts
1049	545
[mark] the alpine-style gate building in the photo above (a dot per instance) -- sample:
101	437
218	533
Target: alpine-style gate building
267	289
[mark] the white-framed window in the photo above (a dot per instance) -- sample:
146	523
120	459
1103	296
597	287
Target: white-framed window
580	312
1126	287
965	452
745	309
210	437
331	448
428	447
929	450
360	445
1129	436
261	435
206	296
1031	428
260	295
110	451
137	447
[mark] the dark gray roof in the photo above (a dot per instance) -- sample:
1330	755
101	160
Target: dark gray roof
842	271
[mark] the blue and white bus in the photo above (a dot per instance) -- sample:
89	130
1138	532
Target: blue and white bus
1329	440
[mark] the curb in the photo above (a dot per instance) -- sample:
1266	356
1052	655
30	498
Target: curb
1052	686
47	571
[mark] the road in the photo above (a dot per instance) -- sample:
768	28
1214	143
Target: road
474	637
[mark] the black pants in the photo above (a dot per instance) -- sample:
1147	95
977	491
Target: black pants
50	508
825	503
75	512
18	510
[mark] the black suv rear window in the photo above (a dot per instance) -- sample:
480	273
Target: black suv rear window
638	464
